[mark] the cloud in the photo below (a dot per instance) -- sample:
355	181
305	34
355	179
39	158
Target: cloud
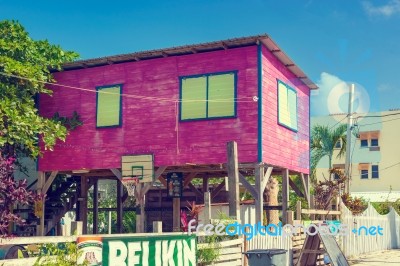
387	10
319	98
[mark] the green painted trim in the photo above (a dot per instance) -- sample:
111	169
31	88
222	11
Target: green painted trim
120	104
297	113
235	78
259	78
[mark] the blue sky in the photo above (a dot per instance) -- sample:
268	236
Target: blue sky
332	41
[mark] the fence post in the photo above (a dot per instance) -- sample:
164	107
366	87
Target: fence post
157	227
76	228
312	203
298	210
207	207
290	217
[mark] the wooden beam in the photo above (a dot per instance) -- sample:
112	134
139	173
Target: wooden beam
207	208
83	204
233	180
247	185
295	188
49	181
189	179
95	207
259	200
163	181
176	214
285	194
119	206
306	184
157	174
195	190
205	185
218	189
40	184
116	172
266	177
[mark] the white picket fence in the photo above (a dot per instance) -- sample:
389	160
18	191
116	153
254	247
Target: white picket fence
355	244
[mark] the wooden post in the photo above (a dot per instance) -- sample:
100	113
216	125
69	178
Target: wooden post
140	218
205	184
290	217
259	200
119	206
83	204
176	215
95	206
312	206
77	228
207	208
285	194
233	183
157	227
41	181
298	210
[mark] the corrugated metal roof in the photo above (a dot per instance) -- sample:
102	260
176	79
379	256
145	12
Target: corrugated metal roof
197	48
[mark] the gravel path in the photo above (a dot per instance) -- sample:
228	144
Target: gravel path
381	258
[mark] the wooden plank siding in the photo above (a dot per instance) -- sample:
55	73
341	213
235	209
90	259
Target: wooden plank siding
281	146
150	125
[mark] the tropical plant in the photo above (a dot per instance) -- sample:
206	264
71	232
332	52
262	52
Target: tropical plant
12	192
63	254
24	71
323	142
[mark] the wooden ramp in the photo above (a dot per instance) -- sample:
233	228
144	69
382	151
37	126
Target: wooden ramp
311	249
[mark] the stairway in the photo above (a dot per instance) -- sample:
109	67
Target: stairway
60	199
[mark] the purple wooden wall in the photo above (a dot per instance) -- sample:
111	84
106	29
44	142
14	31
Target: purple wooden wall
281	146
151	126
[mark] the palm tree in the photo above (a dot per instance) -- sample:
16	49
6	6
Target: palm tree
323	142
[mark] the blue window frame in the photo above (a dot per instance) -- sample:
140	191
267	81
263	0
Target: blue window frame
364	143
287	106
338	144
374	142
208	96
375	171
364	174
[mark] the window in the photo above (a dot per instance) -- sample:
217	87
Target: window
364	174
374	143
287	106
364	143
375	171
109	106
208	96
338	144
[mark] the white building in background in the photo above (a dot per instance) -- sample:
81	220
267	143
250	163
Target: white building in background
375	154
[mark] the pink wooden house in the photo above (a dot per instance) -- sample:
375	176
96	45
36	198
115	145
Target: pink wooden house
182	105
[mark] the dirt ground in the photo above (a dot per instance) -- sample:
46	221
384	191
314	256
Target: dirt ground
381	258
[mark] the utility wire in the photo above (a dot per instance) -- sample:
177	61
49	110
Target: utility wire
150	98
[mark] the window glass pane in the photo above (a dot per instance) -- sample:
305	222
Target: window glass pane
364	174
108	106
292	106
374	143
338	144
284	116
221	87
364	143
375	171
194	95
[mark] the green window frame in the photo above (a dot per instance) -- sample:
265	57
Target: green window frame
287	106
109	106
208	96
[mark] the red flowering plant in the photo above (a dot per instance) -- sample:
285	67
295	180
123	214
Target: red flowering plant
12	192
193	214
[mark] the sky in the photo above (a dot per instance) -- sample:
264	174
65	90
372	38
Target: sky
335	43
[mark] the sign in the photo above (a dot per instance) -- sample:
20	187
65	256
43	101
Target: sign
146	250
174	185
